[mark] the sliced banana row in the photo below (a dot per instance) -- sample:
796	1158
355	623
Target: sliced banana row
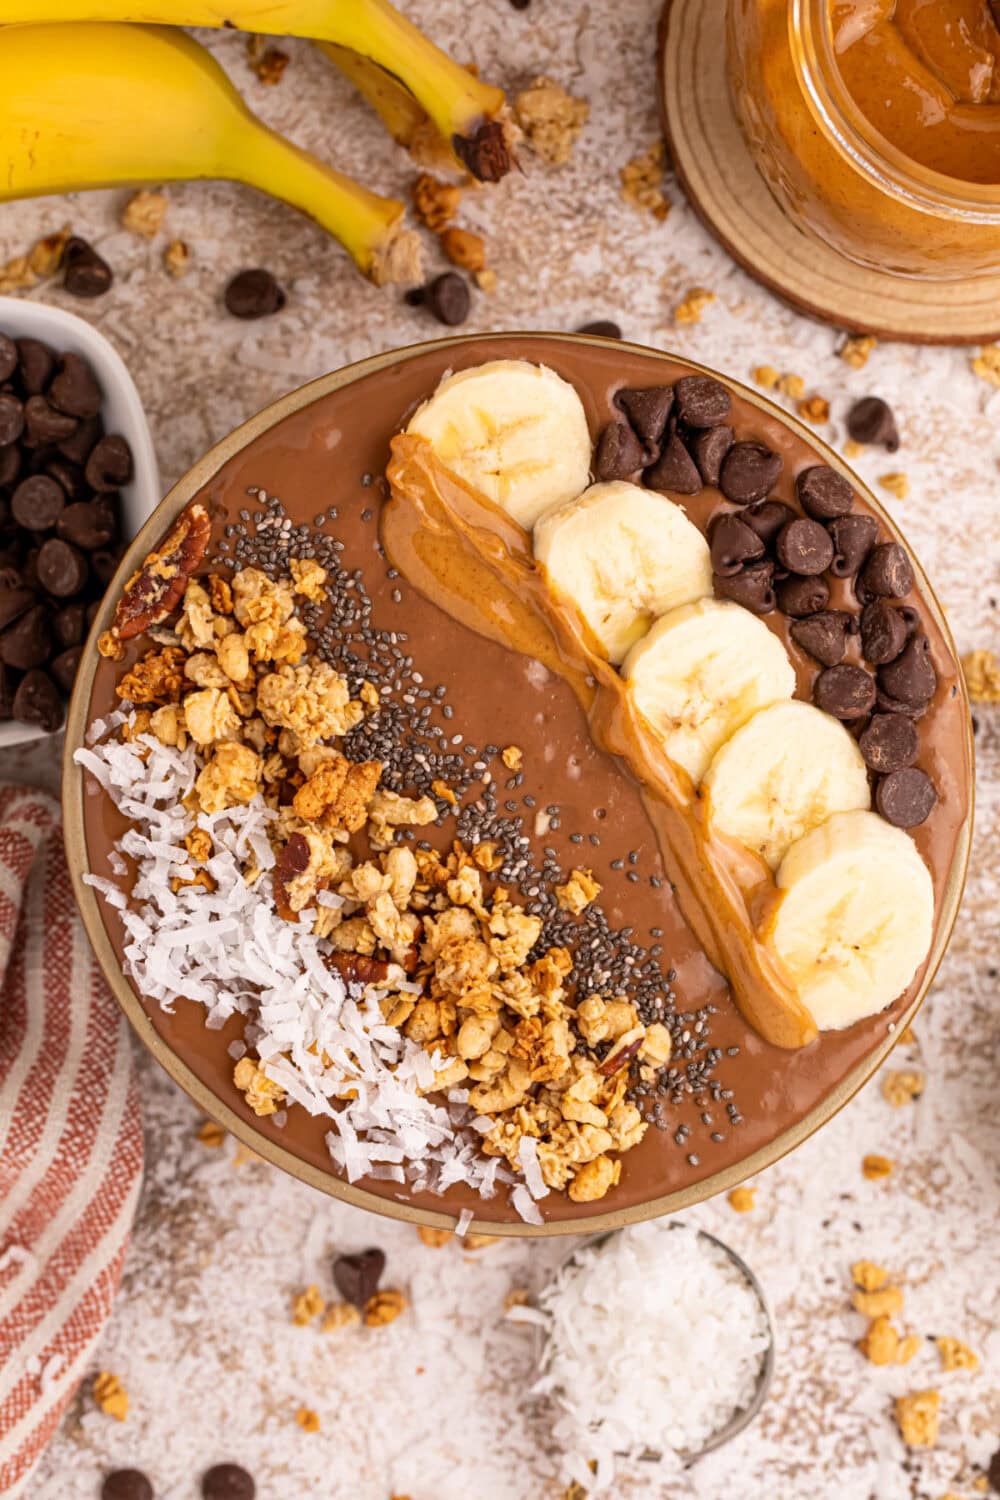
779	776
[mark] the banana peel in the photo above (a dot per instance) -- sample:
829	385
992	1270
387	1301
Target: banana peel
106	105
406	121
468	113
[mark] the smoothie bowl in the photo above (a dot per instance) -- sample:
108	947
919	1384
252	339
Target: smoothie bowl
521	780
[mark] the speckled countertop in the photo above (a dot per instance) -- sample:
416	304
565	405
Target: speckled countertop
433	1407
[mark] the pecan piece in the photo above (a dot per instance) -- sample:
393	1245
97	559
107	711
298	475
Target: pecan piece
155	588
291	862
358	968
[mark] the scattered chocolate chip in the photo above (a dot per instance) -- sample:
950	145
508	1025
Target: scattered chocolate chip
104	564
36	362
448	298
883	632
993	1472
800	595
889	743
603	328
748	472
110	463
911	678
227	1482
905	798
846	692
823	493
253	294
14	600
674	471
619	453
63	667
11	419
44	425
702	401
85	273
853	538
753	588
74	389
733	544
37	701
79	447
70	624
126	1484
519	4
87	524
767	518
8	357
870	420
356	1277
823	635
37	502
28	642
62	568
708	449
804	546
888	571
647	410
10	464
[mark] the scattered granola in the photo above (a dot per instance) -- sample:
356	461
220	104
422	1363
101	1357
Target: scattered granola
269	63
512	757
110	1395
792	386
435	203
982	676
385	1307
814	409
693	305
856	349
955	1355
868	1276
550	118
464	249
340	1315
307	1419
766	376
177	258
902	1087
986	364
307	1305
917	1418
852	448
43	259
211	1134
886	1302
144	213
897	483
435	1238
880	1345
741	1199
876	1167
642	181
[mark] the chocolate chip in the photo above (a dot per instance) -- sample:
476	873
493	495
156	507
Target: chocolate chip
227	1482
14	600
44	425
10	464
889	743
853	538
748	472
753	588
804	547
888	571
11	419
28	642
74	389
846	692
709	448
62	568
823	635
253	294
801	596
126	1484
8	356
883	632
993	1472
647	410
110	464
6	693
767	518
733	544
70	624
619	453
79	447
85	273
69	478
823	493
356	1277
911	678
602	328
906	798
702	401
36	363
87	524
63	667
37	701
674	470
37	502
448	298
104	564
870	420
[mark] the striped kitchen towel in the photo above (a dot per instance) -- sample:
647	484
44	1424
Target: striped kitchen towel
70	1136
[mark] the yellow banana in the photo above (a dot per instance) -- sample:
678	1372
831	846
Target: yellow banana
406	121
105	105
467	112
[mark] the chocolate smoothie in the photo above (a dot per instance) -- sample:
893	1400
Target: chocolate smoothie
481	684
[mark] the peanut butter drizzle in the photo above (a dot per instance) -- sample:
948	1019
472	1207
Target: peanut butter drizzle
472	560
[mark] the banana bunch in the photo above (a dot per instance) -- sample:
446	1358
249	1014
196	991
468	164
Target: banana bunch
855	910
94	102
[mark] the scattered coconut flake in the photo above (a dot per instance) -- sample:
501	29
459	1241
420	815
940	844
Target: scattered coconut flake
525	1205
464	1220
527	1155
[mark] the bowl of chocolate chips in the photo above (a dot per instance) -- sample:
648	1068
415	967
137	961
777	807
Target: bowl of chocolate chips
78	477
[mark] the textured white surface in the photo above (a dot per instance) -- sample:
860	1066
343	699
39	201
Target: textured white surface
431	1407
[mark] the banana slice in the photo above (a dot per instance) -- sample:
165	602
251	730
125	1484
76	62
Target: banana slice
783	773
856	918
623	555
515	431
701	672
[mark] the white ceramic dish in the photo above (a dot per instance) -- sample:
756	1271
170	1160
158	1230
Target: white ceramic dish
122	412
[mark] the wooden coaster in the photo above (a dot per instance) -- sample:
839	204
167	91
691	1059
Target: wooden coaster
728	194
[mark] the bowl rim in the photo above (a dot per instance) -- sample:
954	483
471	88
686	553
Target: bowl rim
194	481
25	318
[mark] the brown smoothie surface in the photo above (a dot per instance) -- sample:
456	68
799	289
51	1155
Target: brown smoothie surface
736	1094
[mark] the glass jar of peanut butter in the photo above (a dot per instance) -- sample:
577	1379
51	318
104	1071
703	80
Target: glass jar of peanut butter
876	125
